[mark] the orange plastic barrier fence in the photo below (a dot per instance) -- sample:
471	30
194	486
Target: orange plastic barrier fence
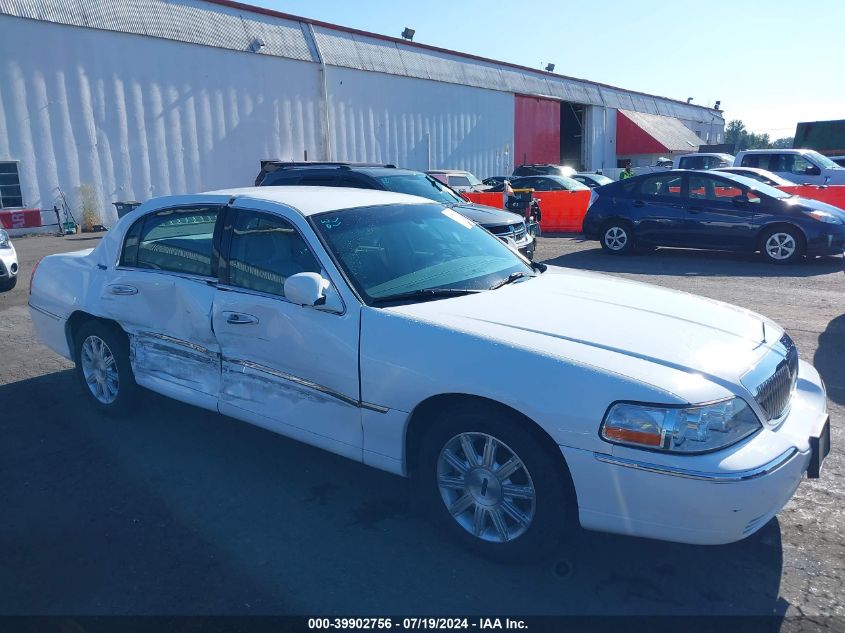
831	194
20	219
490	199
562	211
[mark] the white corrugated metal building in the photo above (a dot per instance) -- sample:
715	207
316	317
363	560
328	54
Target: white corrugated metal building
140	98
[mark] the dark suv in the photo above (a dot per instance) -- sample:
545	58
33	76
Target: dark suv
502	224
543	169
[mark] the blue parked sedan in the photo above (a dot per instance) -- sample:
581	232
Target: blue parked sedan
695	209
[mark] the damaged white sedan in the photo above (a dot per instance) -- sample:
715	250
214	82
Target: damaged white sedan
393	331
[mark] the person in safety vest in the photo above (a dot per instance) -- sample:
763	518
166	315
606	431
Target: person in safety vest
627	172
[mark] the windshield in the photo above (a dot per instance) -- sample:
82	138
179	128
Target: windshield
822	160
601	180
420	185
758	187
392	250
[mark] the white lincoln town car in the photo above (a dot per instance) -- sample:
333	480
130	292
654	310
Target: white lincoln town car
392	330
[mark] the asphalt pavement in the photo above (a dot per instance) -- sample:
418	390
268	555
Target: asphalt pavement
181	511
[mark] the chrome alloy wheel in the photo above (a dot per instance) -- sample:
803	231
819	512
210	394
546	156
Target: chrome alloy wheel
615	238
780	246
486	487
99	369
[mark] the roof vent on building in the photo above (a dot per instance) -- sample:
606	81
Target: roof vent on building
408	34
256	45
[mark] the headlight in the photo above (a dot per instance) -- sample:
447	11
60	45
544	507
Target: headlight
824	216
4	239
697	429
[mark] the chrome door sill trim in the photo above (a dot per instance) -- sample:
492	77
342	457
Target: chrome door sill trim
45	312
718	478
178	341
308	384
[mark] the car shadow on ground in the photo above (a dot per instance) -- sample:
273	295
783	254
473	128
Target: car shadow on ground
680	262
177	510
828	359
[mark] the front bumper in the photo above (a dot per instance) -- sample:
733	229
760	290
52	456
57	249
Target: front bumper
8	263
708	499
830	241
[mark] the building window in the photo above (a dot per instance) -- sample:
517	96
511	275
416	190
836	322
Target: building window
10	186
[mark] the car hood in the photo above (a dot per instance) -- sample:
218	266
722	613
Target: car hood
817	205
486	216
614	324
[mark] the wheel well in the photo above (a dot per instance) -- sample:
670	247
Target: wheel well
429	409
780	225
78	319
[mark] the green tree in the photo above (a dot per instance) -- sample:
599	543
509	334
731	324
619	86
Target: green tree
735	132
783	143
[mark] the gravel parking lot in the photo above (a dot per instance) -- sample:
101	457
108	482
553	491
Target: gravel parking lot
180	511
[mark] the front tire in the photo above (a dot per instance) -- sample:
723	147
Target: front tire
782	245
617	238
487	482
103	367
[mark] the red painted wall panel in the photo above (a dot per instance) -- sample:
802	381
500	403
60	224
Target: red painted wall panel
536	131
632	139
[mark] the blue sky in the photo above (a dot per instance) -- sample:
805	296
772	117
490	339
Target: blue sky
771	64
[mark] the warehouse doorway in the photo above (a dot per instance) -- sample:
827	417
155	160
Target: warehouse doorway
572	134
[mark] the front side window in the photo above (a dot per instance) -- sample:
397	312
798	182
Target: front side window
265	250
691	162
10	186
662	185
396	249
175	240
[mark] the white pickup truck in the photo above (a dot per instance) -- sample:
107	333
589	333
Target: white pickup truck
801	166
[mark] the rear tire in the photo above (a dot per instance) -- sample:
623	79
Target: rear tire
103	368
8	283
782	245
617	238
488	483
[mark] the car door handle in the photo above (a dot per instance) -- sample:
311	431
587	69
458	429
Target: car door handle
122	289
239	318
639	203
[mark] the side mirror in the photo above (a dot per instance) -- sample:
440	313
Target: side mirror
310	289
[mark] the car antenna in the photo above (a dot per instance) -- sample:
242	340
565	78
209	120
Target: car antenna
764	331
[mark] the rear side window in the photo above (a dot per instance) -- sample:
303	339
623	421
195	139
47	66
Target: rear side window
459	181
761	161
692	162
266	250
325	179
662	185
174	240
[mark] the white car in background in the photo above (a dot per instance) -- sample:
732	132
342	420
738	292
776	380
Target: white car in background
702	160
389	329
460	181
8	262
799	166
760	175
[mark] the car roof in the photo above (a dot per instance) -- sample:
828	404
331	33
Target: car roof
446	171
775	151
313	200
704	154
370	170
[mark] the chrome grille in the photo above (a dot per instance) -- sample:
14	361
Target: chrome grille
515	231
773	389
